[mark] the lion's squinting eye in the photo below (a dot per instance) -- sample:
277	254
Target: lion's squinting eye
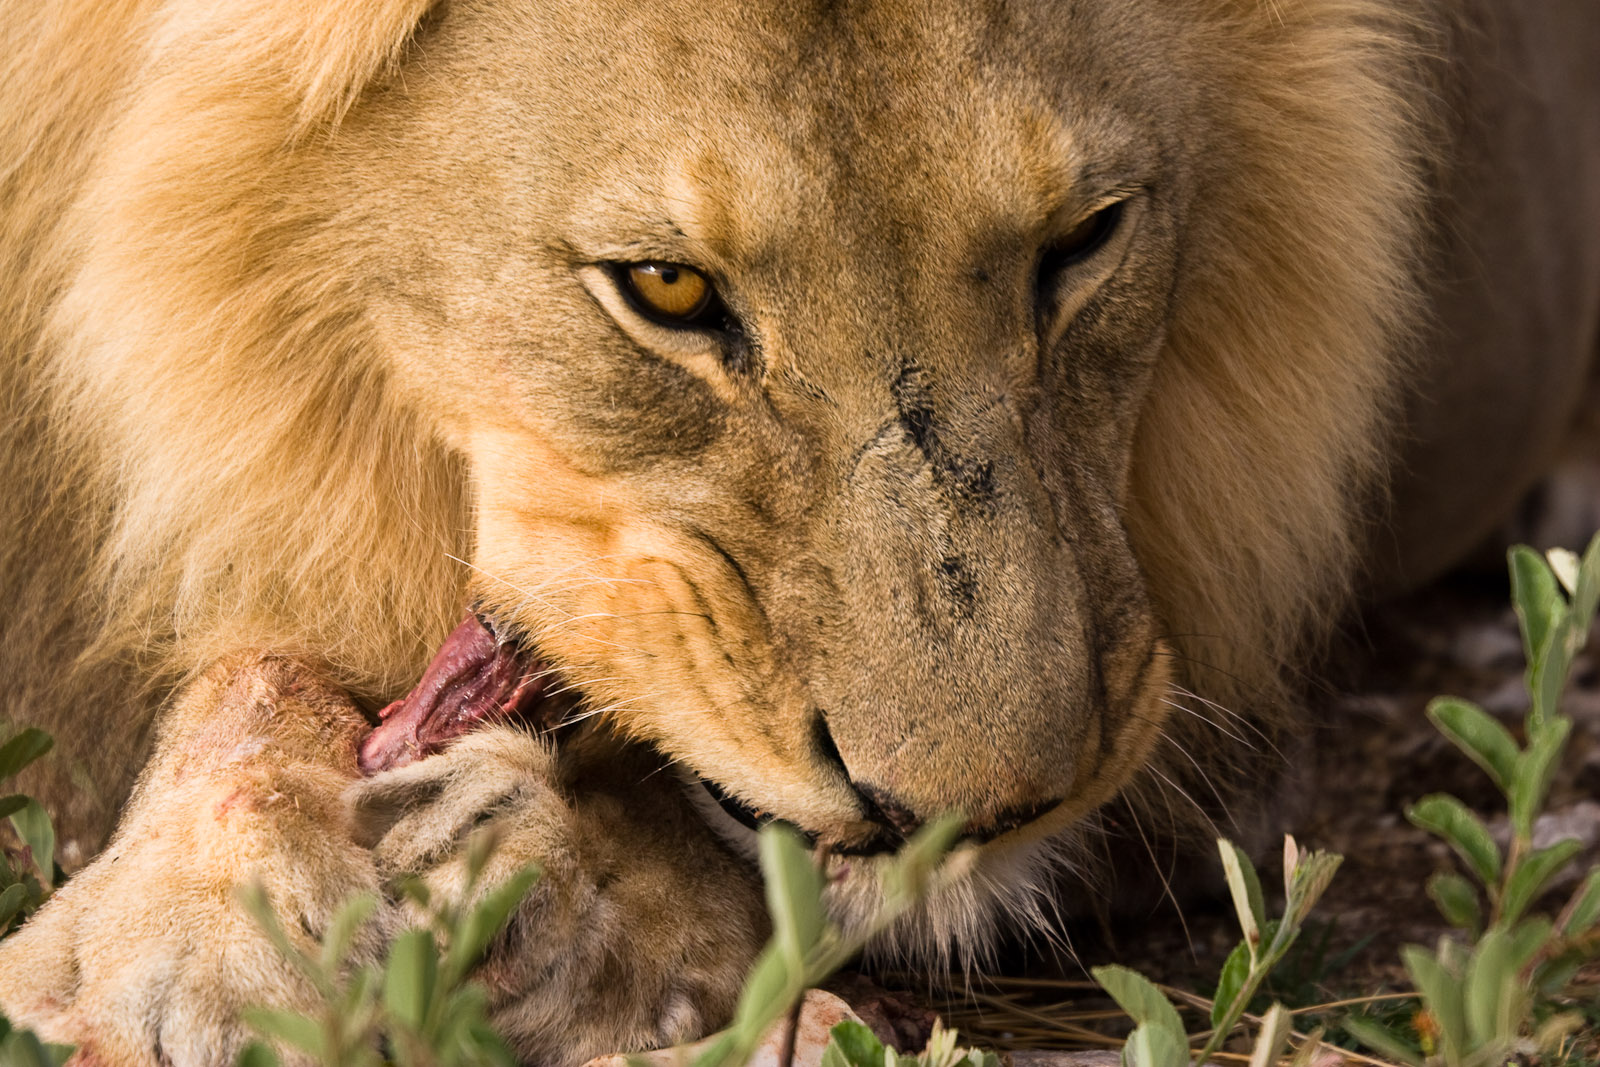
670	294
1086	238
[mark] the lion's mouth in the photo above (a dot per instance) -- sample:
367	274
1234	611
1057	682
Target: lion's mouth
481	675
742	813
476	677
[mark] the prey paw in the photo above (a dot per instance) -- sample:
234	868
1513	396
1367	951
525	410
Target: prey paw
146	956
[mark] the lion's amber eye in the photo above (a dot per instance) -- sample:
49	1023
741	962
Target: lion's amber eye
668	292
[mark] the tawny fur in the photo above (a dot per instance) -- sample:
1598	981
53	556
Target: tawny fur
275	277
243	475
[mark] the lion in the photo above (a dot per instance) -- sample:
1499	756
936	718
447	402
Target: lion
855	411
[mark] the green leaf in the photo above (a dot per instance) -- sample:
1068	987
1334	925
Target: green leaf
1273	1038
1494	997
768	993
22	1048
906	878
485	920
1535	768
1583	907
28	745
1537	600
1478	734
290	1027
1245	887
1443	814
1457	900
1442	995
411	978
1380	1040
1234	972
14	802
794	892
1313	874
1586	596
347	921
1144	1003
1550	978
1545	683
485	1048
33	826
1527	938
1151	1045
257	1054
1533	876
480	846
718	1051
854	1045
11	900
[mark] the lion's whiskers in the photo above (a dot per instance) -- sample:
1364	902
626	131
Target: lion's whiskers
1163	874
1207	720
1222	805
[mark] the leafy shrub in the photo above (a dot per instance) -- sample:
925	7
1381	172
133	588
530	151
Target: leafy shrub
416	1007
1489	991
1159	1038
1493	990
26	885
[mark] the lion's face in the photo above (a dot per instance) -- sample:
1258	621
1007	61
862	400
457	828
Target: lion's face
1039	336
847	537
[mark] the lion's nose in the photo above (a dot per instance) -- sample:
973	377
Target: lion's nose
899	818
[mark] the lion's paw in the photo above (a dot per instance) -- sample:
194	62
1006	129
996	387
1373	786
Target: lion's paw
641	927
146	956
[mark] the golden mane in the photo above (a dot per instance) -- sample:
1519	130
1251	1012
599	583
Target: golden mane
1270	418
205	357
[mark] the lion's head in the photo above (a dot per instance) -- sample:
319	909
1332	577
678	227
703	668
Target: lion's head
878	408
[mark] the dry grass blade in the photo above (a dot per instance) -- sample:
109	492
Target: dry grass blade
1018	1014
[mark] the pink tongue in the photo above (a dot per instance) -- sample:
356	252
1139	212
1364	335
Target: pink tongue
472	679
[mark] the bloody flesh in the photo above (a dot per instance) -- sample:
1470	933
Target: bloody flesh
474	678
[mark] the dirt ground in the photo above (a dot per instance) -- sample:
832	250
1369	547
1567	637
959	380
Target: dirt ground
1372	752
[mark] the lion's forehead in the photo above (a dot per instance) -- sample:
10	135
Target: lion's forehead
735	120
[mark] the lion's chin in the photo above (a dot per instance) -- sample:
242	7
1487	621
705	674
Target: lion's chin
984	893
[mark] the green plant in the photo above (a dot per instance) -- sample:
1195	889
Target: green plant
806	947
415	1008
1488	991
26	885
851	1044
419	1008
22	1048
1159	1038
